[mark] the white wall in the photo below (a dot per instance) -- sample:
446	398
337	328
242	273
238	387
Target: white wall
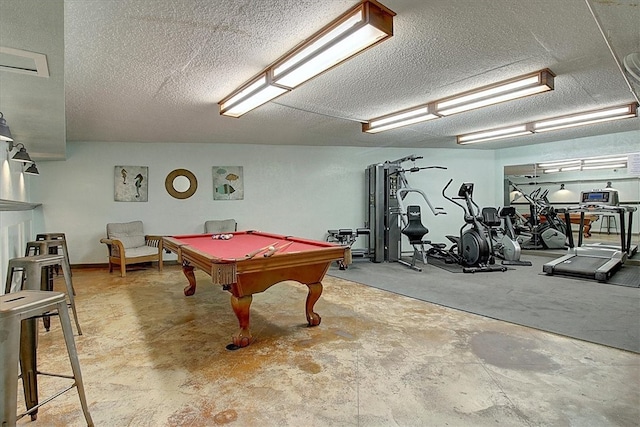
296	190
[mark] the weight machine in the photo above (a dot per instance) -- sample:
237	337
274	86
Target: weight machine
387	187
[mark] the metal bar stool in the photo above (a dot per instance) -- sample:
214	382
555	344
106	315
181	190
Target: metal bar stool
608	219
59	237
17	311
31	268
51	246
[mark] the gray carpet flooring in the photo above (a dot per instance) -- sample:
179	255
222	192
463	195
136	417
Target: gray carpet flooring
603	313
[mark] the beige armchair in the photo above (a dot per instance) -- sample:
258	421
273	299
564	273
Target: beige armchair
127	244
220	226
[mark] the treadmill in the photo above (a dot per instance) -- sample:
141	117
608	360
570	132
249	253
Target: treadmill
595	261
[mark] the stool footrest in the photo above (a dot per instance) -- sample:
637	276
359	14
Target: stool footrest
45	401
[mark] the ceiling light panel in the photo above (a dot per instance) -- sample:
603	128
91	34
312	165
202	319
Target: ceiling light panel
395	120
363	26
563	122
519	87
528	84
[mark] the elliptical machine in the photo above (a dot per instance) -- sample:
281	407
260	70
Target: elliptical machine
473	248
548	234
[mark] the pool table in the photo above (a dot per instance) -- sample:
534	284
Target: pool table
250	262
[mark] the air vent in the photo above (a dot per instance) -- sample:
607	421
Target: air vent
23	62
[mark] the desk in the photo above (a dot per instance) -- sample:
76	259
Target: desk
305	261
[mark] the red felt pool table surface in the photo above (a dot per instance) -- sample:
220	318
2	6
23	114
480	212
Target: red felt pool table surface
245	242
245	265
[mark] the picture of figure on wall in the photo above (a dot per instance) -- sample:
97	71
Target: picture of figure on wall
228	183
131	184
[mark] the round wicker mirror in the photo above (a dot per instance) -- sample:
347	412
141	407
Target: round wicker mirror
181	183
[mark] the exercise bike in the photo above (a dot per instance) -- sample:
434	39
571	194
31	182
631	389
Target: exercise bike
503	236
473	248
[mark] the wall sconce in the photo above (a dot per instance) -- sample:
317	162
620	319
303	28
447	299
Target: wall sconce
519	87
21	155
562	186
5	132
563	122
608	184
32	170
356	30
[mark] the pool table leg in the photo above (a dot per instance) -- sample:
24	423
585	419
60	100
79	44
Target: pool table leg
191	277
315	290
241	306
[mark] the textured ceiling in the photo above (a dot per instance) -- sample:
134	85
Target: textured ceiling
154	70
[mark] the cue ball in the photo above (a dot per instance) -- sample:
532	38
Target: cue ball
271	248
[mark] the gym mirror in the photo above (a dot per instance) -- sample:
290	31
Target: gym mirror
181	183
562	189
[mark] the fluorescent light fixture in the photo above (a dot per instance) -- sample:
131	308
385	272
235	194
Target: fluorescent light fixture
492	135
559	163
361	27
250	96
610	162
607	166
395	120
519	87
364	26
605	160
591	117
586	118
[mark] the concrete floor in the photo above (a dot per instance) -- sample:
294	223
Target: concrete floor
152	357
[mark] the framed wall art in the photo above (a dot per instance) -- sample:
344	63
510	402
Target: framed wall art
131	184
228	183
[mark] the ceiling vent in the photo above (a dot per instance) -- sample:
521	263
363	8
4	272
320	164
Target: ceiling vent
23	62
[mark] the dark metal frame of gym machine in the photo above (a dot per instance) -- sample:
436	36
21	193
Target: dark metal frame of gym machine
593	262
383	210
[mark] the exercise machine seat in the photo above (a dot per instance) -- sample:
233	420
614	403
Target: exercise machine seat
414	230
507	211
490	217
